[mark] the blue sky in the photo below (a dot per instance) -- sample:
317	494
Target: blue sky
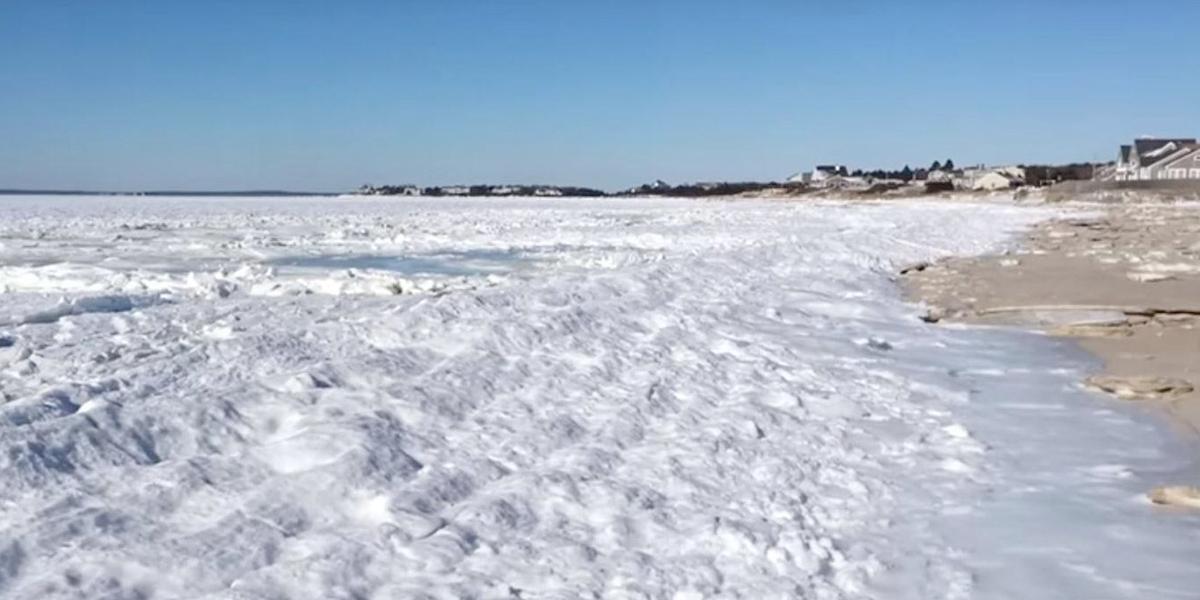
305	95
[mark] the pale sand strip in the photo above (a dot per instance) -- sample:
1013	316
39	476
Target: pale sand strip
1125	283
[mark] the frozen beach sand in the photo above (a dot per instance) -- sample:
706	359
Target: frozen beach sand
1122	279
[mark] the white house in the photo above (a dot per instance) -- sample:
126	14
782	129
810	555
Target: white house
939	176
1013	172
1149	159
994	180
842	182
404	190
824	172
820	175
1182	164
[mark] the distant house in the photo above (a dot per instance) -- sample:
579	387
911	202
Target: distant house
1013	172
981	177
995	180
658	187
1149	159
842	182
389	190
823	172
939	176
1183	164
820	176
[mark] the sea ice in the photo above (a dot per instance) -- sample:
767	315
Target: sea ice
668	399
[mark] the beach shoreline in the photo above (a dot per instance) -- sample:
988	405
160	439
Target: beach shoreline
1120	280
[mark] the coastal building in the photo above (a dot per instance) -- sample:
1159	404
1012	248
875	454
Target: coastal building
825	172
939	176
389	190
1012	171
995	180
821	175
842	182
1153	159
986	178
1183	164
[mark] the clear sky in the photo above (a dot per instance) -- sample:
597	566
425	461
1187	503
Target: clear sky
225	94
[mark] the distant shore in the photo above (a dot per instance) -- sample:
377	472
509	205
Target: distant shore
864	189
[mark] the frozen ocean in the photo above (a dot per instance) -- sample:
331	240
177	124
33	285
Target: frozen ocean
370	398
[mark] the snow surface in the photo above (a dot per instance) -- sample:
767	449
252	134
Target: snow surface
547	398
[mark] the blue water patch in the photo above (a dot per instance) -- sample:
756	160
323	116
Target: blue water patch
456	264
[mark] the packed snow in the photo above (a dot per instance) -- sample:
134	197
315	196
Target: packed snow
547	399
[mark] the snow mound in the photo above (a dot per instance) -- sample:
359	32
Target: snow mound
83	305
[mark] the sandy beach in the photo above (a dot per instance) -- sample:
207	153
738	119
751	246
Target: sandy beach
1123	280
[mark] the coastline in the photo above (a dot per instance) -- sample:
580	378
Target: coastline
1120	281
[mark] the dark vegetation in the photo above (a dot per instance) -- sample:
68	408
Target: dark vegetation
1036	175
481	190
906	174
700	190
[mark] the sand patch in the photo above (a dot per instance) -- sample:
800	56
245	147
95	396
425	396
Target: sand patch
1125	283
1176	495
1139	388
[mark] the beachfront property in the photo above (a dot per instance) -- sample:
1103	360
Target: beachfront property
990	179
842	182
821	175
1153	159
940	176
980	177
389	190
831	177
994	181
